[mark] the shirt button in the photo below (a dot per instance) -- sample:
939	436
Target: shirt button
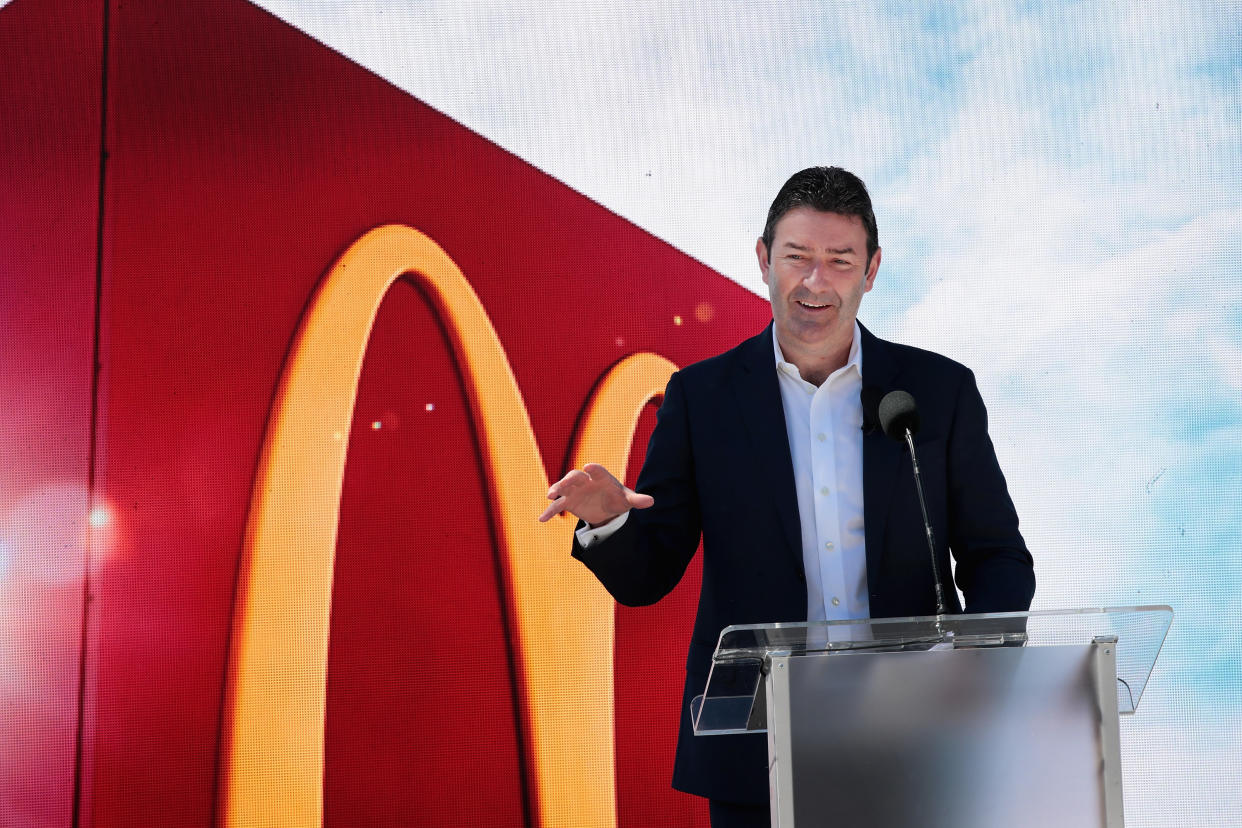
828	546
824	491
821	437
836	602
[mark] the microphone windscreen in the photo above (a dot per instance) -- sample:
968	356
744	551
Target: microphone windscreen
897	413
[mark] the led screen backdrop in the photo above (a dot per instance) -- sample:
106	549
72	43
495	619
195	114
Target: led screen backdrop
302	305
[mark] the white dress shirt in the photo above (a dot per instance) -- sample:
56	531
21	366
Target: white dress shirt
824	425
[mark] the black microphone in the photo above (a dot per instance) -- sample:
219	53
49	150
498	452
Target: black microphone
899	419
898	414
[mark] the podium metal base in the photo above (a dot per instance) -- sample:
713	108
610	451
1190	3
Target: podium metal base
959	738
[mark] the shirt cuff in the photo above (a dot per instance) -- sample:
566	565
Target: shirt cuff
588	536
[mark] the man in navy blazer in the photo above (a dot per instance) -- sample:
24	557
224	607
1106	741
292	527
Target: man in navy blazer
719	469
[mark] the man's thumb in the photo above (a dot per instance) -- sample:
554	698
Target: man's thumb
639	501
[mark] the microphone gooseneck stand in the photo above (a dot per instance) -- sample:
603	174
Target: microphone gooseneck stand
899	419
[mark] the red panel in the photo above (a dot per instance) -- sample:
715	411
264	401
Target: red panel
245	158
50	58
422	725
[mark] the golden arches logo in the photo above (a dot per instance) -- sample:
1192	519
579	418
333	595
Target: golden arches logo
273	758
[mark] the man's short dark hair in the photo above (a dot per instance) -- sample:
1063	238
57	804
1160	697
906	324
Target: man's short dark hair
829	190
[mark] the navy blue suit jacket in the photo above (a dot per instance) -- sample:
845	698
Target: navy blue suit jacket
718	465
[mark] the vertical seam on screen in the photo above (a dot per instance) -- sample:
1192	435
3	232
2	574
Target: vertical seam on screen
84	654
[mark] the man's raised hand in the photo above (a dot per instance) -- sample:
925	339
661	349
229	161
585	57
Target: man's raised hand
594	495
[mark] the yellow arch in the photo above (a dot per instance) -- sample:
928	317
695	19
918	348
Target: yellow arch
273	756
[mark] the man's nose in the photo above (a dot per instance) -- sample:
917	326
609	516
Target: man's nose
817	278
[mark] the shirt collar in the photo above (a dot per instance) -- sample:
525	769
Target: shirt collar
854	360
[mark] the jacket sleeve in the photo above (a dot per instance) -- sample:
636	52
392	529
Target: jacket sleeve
646	558
994	569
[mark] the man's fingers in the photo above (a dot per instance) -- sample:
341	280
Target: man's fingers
593	494
558	505
639	501
568	483
595	471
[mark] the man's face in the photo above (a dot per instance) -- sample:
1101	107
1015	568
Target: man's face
816	273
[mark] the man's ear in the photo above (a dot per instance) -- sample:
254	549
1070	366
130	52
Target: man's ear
765	260
872	270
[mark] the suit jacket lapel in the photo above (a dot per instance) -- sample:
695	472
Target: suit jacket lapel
759	401
881	455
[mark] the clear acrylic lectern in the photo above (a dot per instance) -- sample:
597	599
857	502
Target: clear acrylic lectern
969	721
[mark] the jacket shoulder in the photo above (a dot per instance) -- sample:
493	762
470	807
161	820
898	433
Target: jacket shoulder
910	355
714	370
908	358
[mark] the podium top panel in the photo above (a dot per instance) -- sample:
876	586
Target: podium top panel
1138	631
